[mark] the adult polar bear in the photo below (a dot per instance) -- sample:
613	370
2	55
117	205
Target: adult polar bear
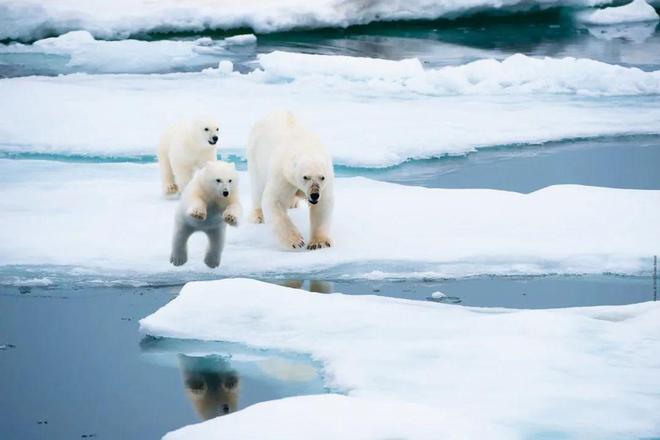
286	161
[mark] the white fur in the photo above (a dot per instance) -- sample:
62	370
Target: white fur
183	149
287	162
205	207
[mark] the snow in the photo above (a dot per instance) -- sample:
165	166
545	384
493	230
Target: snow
438	295
634	12
111	220
365	117
241	40
132	56
517	74
292	65
33	19
331	417
442	372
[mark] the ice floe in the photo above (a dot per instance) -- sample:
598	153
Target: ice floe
634	12
33	19
425	370
365	119
111	220
86	54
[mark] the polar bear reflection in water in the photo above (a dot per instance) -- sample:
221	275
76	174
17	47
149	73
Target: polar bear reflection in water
211	385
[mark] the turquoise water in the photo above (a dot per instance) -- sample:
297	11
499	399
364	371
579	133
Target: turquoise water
620	162
436	43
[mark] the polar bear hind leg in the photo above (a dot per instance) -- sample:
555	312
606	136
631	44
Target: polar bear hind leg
167	175
216	238
179	254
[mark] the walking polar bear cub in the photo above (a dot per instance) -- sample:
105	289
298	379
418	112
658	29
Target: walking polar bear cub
209	202
185	148
287	162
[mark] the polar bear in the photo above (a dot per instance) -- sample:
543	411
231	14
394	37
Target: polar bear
209	201
287	162
183	149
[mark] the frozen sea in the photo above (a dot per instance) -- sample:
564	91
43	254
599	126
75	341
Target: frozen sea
526	106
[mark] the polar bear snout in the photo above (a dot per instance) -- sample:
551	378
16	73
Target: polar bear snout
213	140
225	193
314	198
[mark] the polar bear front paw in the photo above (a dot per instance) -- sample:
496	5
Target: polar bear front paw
296	241
178	259
171	189
197	213
212	261
231	219
257	216
319	243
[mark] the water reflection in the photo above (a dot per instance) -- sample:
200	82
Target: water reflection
211	385
220	378
317	286
634	32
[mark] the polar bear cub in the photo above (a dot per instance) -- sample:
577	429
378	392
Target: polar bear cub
287	162
209	201
185	148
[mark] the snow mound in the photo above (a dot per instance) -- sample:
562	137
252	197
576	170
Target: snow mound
33	19
634	12
366	103
517	74
132	56
297	65
241	40
117	222
575	373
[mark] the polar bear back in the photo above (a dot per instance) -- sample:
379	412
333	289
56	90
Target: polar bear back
277	141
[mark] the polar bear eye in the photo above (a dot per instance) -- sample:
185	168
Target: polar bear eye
322	177
229	180
306	177
206	129
217	129
219	180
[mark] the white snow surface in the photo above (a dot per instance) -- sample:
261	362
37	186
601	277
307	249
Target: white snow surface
634	12
365	119
131	56
33	19
422	370
112	219
517	74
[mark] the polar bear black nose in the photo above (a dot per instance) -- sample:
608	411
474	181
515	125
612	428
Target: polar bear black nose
314	196
215	138
225	193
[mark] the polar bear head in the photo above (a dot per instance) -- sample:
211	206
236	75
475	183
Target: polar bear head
219	178
312	175
205	131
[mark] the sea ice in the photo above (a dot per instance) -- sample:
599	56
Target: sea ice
89	55
365	119
422	370
111	219
33	19
634	12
